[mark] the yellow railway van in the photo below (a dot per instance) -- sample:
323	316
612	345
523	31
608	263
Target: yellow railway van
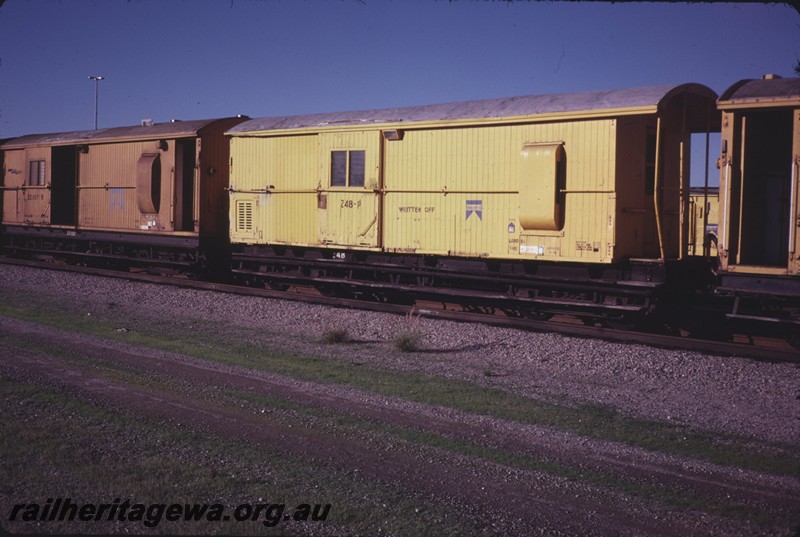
153	191
593	177
568	181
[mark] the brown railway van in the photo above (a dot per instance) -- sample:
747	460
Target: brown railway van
152	194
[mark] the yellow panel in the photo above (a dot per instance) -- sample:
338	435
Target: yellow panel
348	216
244	227
439	180
455	224
282	163
543	245
725	164
278	178
540	206
291	218
454	191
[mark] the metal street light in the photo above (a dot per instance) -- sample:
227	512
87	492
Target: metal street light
97	80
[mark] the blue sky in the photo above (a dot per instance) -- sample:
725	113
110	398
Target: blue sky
193	59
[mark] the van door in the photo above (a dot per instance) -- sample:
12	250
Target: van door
349	196
64	182
761	189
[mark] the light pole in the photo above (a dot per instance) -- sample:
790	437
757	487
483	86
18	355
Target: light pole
97	80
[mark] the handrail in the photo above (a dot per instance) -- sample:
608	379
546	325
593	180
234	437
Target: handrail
106	187
726	216
656	197
793	219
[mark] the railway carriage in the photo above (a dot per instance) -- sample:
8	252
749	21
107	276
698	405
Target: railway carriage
571	202
760	215
703	221
148	195
538	205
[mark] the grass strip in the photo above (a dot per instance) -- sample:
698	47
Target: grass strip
99	455
589	420
679	499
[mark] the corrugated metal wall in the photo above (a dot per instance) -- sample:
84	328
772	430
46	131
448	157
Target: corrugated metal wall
636	230
445	191
213	174
674	221
457	191
22	203
14	179
289	167
107	186
349	214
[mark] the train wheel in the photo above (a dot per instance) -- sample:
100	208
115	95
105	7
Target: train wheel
328	290
276	286
792	336
622	322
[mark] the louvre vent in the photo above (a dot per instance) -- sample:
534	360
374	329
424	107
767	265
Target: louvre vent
244	216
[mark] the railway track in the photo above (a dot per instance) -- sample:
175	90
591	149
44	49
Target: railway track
761	348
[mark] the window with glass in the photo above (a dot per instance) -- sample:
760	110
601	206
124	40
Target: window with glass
348	168
37	173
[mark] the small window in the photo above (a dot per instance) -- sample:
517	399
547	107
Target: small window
37	173
348	168
339	168
357	159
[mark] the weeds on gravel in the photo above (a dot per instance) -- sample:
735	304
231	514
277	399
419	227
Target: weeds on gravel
336	335
409	339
